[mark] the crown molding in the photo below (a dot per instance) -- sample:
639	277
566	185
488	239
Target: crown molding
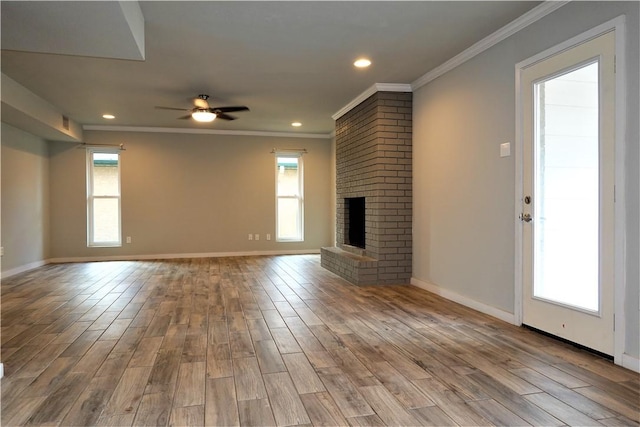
392	87
508	30
491	40
151	129
376	87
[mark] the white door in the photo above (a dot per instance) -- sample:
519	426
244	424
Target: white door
568	124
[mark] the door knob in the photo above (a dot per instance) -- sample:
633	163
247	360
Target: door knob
525	217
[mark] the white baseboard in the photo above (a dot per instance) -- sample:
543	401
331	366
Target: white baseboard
630	362
180	256
23	268
1	370
627	361
33	265
466	301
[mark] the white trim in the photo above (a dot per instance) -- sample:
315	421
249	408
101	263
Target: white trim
393	87
23	268
630	362
376	87
617	25
151	129
491	40
518	153
180	256
620	220
91	197
299	197
1	370
461	299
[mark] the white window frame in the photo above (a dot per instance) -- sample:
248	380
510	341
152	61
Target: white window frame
299	197
91	197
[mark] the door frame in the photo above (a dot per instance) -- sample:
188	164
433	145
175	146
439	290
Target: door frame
618	26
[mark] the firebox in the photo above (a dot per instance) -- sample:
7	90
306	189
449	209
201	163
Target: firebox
354	232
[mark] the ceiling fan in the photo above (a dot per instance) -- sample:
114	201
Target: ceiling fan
202	112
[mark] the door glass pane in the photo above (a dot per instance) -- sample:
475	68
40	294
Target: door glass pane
566	198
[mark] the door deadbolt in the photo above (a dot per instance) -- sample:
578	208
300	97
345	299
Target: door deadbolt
527	200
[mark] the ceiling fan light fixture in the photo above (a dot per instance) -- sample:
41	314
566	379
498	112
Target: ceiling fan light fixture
203	116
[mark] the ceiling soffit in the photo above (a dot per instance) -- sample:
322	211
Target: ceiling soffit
104	29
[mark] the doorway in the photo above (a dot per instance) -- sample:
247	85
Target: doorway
567	203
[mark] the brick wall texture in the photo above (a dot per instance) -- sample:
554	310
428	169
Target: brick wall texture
373	160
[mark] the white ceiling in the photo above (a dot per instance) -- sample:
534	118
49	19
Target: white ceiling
287	61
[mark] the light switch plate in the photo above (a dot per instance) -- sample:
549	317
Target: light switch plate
505	149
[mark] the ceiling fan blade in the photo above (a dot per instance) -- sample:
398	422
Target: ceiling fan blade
224	116
230	109
188	116
172	108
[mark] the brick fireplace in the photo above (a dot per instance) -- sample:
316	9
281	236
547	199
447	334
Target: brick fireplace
373	165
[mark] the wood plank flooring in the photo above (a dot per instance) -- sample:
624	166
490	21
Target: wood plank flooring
280	341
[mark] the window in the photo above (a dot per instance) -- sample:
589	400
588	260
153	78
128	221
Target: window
103	198
289	201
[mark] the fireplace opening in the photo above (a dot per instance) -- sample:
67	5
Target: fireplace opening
355	222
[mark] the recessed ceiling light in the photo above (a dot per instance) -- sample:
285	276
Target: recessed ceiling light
362	63
296	124
108	116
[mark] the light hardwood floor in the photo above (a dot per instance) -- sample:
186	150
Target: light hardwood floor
280	341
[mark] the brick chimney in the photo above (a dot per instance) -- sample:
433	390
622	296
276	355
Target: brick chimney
373	160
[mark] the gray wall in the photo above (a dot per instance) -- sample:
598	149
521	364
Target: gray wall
186	194
25	199
464	202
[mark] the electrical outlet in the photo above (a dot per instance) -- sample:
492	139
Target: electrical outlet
2	251
250	236
257	237
128	239
268	236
